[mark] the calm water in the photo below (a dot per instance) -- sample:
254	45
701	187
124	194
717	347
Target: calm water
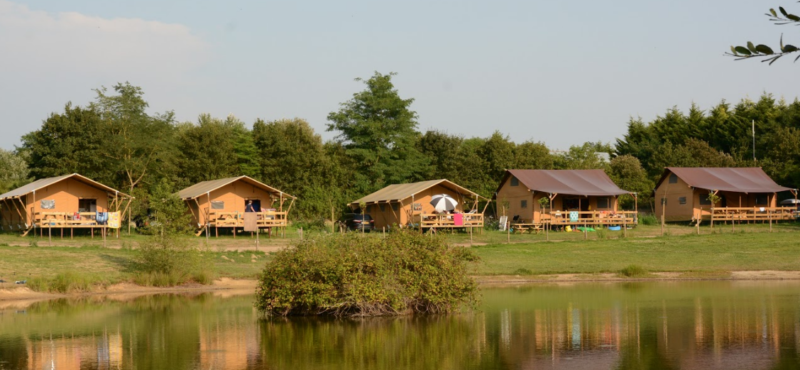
703	325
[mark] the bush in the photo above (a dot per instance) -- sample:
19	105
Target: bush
648	220
311	224
67	282
352	275
170	261
633	271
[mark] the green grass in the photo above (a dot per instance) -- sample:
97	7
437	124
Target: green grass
70	269
712	254
687	253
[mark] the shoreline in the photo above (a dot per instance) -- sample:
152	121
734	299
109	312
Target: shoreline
18	297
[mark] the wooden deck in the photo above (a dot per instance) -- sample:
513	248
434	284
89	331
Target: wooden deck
447	221
591	218
265	220
753	214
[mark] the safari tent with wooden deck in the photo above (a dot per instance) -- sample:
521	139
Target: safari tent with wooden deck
409	205
571	198
65	202
739	194
221	204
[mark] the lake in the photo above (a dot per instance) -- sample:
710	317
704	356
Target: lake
653	325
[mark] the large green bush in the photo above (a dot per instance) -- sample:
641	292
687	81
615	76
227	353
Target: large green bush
358	275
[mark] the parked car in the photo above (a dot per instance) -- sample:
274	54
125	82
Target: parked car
358	221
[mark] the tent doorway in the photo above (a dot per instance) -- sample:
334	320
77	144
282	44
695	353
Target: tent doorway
256	204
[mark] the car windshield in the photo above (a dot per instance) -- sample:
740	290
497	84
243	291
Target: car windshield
362	217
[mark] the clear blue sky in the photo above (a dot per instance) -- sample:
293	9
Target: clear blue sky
559	72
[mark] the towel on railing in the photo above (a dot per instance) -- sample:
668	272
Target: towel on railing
458	219
573	216
101	218
76	216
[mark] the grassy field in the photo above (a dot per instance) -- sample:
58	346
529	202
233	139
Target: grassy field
747	247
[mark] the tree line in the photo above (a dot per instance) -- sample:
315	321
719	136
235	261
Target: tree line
115	140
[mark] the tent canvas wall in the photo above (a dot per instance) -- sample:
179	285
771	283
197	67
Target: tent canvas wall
686	191
208	199
520	192
399	204
68	194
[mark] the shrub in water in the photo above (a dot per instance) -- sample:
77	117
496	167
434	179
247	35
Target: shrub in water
352	275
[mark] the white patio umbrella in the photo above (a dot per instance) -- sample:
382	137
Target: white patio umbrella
443	202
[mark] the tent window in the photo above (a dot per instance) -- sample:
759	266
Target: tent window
523	204
369	208
514	181
704	200
682	200
382	207
664	201
87	205
762	199
395	207
673	178
217	204
48	204
602	202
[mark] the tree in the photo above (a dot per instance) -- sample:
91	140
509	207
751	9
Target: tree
378	131
442	151
533	155
133	143
68	142
589	156
13	170
244	146
765	52
207	150
627	172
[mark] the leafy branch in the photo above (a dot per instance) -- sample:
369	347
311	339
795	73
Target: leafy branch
764	51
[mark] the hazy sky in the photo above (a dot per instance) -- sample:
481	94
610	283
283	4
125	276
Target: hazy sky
553	71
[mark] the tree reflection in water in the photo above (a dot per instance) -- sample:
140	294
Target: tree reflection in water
720	325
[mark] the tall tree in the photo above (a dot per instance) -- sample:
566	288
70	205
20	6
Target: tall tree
627	172
207	150
291	155
134	144
379	132
69	142
442	151
13	170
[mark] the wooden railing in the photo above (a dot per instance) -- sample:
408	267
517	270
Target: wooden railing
753	214
591	218
429	220
236	219
66	219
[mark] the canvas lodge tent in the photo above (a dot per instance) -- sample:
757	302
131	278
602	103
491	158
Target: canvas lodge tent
221	203
409	205
63	202
574	198
744	194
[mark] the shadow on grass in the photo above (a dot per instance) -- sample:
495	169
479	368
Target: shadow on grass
126	264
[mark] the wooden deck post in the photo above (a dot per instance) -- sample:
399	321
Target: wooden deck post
624	226
508	231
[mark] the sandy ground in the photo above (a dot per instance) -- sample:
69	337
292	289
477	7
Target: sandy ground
17	297
21	297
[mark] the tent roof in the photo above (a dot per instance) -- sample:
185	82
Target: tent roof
205	187
398	192
734	179
570	182
43	183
